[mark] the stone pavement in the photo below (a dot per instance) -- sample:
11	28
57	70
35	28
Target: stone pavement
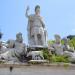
36	70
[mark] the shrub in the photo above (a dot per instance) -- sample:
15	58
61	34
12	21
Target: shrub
54	58
59	59
47	55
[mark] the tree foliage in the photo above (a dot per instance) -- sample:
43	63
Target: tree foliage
72	42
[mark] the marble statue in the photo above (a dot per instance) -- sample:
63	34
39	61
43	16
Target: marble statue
65	49
69	51
37	34
2	48
19	45
66	46
9	55
15	49
60	49
57	46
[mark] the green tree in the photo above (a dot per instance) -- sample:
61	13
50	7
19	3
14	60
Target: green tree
51	42
72	42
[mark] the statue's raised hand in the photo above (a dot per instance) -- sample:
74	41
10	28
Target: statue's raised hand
27	12
27	8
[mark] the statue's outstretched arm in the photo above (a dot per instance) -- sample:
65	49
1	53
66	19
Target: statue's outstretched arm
26	14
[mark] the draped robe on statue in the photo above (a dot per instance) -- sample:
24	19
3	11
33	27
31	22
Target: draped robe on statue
36	31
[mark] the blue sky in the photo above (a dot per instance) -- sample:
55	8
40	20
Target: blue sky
59	17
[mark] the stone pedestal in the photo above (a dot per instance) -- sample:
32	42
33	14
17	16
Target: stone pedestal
36	52
36	48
